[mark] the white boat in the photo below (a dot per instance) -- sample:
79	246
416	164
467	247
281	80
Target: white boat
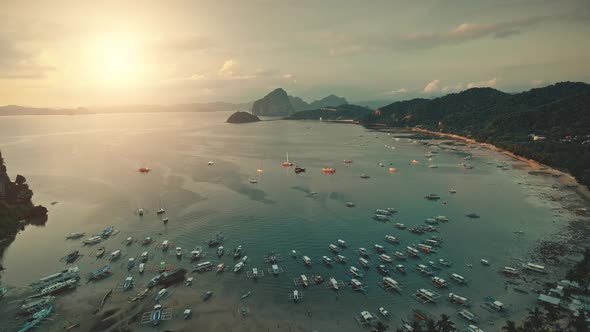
178	252
144	256
304	280
385	258
333	248
439	282
473	328
187	313
160	295
457	299
115	254
59	286
363	252
384	312
295	295
400	226
140	212
458	278
189	281
238	266
534	267
165	244
203	266
391	210
275	269
443	262
391	239
255	274
141	267
452	191
93	240
379	248
509	271
129	240
307	260
327	260
293	253
69	273
210	163
160	208
355	272
196	254
441	218
365	263
382	212
341	243
333	283
381	217
390	282
220	251
399	255
244	259
75	235
356	284
165	219
252	180
412	252
341	259
485	262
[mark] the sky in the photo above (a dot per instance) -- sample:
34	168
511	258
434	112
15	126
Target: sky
62	53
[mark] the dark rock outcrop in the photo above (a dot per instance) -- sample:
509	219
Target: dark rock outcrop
16	207
242	117
276	103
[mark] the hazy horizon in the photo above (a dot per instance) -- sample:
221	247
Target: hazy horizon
54	54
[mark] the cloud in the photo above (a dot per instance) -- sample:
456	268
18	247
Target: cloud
228	68
395	92
288	76
450	88
537	82
431	87
488	83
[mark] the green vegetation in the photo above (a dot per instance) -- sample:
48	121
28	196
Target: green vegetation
558	114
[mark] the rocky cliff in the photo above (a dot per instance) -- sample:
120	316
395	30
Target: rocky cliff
275	103
16	207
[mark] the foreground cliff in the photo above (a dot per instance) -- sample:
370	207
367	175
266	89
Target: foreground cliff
16	207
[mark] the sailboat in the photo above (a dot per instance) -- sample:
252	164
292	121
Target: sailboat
160	209
287	163
261	169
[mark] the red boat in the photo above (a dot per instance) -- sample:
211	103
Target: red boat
329	170
299	169
347	161
144	169
287	163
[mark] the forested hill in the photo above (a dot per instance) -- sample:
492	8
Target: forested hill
559	116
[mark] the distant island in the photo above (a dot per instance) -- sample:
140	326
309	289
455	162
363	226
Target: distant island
279	103
242	117
16	207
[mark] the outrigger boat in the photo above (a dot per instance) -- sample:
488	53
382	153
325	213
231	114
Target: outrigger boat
115	254
220	251
156	315
458	278
130	263
444	262
144	256
381	217
100	252
341	243
327	260
307	260
399	255
57	287
196	254
220	267
100	273
69	273
107	231
146	241
400	226
34	305
391	239
293	253
303	280
333	248
412	252
365	263
178	252
333	283
439	282
238	266
93	240
37	318
341	259
385	258
355	272
128	283
141	267
75	235
363	252
129	240
401	269
238	252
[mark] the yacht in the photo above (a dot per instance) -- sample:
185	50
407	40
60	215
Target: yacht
349	204
341	243
205	266
307	260
189	281
178	252
327	260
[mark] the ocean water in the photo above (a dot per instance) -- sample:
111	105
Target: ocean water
88	164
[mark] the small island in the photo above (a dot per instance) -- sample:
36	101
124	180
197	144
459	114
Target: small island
242	117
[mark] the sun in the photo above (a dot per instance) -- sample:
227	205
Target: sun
115	59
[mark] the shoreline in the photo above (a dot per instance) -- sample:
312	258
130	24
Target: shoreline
565	178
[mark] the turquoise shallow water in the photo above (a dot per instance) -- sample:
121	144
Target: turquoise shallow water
89	165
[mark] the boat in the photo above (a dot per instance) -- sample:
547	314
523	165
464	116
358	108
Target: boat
457	299
303	280
293	253
238	266
439	282
216	240
189	281
162	266
363	252
140	212
56	287
364	176
431	221
75	235
328	170
71	257
399	255
385	258
484	262
161	294
333	283
165	245
355	272
37	318
381	217
144	169
220	267
255	273
141	267
129	240
287	163
100	273
412	252
458	278
130	263
210	162
365	263
452	191
156	314
327	260
466	166
128	283
341	243
400	268
160	208
379	248
187	313
347	161
382	212
391	239
381	164
341	259
349	204
69	273
238	252
473	328
220	251
169	278
444	262
246	295
432	197
441	218
509	271
115	254
299	169
178	252
333	248
35	305
295	295
400	226
356	284
144	256
390	282
534	267
205	266
252	180
93	240
318	279
275	269
383	269
424	269
196	254
384	312
146	241
154	281
468	315
472	215
307	260
207	295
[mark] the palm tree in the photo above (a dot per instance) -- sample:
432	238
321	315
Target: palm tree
510	327
535	319
380	327
416	326
579	323
445	324
430	325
